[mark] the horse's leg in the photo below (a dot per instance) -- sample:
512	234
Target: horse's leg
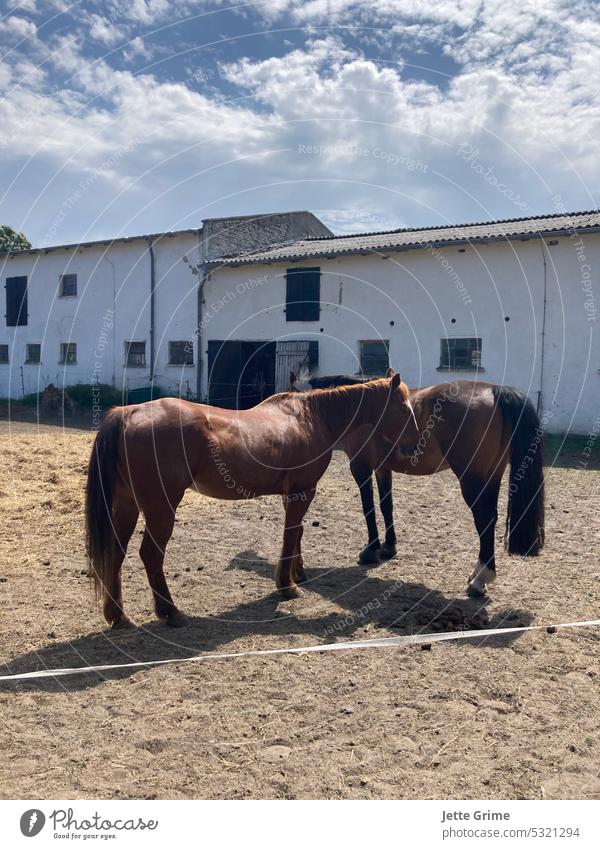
363	475
298	572
124	518
296	505
482	497
159	527
384	486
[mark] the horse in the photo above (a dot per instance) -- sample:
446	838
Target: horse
475	429
145	456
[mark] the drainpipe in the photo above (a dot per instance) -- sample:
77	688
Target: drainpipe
114	321
152	311
202	271
543	345
203	275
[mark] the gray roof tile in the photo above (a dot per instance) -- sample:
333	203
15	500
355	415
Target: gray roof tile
406	239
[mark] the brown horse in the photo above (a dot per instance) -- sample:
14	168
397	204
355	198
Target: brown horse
145	456
474	429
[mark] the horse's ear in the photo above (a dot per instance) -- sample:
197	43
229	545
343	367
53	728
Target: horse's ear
293	378
389	372
395	381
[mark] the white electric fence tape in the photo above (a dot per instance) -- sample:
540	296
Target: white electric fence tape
376	643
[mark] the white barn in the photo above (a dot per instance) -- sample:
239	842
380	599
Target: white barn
224	313
122	311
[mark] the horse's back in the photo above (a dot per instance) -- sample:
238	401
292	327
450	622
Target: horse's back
466	425
221	452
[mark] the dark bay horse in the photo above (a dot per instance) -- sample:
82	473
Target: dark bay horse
474	429
145	456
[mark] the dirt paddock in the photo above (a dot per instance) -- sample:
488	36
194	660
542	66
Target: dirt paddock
514	717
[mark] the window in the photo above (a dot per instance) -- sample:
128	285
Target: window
460	353
3	354
303	294
33	353
375	357
68	353
181	353
68	285
16	301
135	354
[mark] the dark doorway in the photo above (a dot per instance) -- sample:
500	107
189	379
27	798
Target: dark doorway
240	374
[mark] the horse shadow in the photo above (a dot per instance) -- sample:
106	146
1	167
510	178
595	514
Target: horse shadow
403	606
367	602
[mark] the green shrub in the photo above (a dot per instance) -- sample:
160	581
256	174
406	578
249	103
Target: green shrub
31	400
85	396
88	394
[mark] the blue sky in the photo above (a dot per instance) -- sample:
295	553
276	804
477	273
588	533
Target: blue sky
132	117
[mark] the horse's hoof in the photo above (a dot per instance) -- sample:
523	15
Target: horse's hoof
386	552
476	590
369	556
290	592
122	624
479	577
177	620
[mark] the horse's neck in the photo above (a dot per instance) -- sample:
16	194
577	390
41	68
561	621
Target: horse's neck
343	410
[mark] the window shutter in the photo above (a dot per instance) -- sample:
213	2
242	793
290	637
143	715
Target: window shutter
303	294
16	301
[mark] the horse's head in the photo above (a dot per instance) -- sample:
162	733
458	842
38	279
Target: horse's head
299	381
396	423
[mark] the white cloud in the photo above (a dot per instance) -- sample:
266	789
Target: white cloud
135	49
322	126
105	31
18	28
75	126
150	11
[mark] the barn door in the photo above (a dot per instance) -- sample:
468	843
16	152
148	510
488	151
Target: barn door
224	368
293	356
241	373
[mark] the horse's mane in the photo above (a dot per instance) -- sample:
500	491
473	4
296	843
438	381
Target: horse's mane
338	405
348	388
280	398
333	402
336	380
329	390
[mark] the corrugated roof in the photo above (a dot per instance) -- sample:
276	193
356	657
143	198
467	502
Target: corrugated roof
107	242
411	238
154	236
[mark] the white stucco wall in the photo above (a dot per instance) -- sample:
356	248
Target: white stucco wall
416	297
413	298
572	342
106	311
176	309
112	306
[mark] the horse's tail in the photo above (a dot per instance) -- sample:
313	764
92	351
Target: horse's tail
102	474
525	517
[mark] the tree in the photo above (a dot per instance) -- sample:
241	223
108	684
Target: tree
10	240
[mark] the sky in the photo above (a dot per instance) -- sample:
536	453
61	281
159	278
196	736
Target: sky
123	118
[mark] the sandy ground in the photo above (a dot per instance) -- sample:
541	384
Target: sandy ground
514	717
